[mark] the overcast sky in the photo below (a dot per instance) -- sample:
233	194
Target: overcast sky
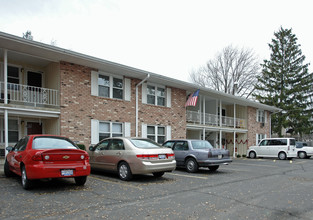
167	37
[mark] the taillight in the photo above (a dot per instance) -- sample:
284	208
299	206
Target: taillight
37	156
84	157
148	156
170	156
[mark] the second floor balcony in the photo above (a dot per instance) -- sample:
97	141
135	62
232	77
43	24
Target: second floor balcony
214	120
19	94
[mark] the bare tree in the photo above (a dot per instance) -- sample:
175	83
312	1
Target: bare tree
233	71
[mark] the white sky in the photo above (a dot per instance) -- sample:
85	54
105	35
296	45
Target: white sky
167	37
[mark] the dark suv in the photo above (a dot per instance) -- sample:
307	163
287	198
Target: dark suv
193	154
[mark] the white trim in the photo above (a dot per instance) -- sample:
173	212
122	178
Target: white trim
94	83
168	97
94	131
127	89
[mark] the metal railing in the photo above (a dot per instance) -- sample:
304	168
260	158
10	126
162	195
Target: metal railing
37	96
214	120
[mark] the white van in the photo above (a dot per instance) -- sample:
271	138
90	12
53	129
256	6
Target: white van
282	148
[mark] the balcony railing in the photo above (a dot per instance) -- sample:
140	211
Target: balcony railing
214	120
36	96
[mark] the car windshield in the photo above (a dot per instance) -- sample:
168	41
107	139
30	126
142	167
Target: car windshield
52	143
201	145
144	143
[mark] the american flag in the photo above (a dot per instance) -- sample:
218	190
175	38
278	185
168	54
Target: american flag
192	100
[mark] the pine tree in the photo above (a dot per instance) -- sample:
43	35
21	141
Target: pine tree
286	83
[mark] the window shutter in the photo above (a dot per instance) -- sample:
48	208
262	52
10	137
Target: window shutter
168	132
265	116
144	130
168	97
127	90
144	93
257	115
256	138
127	129
94	131
94	83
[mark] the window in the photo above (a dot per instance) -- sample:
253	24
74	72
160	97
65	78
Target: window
110	129
155	95
13	74
12	130
181	145
259	138
110	87
156	133
260	116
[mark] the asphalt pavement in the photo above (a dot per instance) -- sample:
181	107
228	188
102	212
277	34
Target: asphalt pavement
245	189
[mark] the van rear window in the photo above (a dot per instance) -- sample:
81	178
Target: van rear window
292	142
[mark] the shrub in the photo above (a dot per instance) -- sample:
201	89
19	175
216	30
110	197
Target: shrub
81	146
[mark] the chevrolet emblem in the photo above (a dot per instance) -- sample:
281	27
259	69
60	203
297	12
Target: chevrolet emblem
66	157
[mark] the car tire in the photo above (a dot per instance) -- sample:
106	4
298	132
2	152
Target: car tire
158	174
302	155
214	168
282	156
252	155
7	171
124	171
191	165
26	183
80	180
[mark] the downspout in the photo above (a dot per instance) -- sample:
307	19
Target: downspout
145	79
6	120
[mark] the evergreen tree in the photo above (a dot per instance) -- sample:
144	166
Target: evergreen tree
286	83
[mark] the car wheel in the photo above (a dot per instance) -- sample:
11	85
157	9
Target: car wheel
213	168
252	155
7	171
302	155
282	156
191	165
80	180
26	183
158	174
124	171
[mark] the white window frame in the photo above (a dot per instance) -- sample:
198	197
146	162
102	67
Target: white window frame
111	87
110	132
95	129
156	134
259	137
156	87
261	116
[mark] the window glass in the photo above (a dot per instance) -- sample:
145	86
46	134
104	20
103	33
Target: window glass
13	74
110	129
264	143
283	142
292	141
52	143
12	131
117	128
104	127
151	95
169	144
201	145
103	145
104	86
181	145
117	88
116	145
144	143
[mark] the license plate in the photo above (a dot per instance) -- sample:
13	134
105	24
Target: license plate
220	156
162	156
67	172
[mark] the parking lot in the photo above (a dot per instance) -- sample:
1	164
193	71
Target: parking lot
245	189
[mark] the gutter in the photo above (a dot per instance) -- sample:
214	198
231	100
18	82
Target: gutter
145	79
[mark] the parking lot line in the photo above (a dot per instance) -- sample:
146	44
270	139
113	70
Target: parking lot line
198	177
118	183
258	165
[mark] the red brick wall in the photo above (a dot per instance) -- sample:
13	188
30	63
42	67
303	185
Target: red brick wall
78	107
255	127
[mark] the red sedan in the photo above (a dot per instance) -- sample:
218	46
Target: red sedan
46	156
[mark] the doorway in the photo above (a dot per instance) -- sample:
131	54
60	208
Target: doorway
34	128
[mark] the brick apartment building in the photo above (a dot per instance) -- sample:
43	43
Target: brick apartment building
46	89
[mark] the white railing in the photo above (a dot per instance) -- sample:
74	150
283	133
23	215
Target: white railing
37	96
214	120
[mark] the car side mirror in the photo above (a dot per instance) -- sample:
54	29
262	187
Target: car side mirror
91	148
9	149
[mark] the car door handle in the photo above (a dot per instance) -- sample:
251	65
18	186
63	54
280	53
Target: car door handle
118	153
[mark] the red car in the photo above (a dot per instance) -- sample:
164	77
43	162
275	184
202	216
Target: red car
46	156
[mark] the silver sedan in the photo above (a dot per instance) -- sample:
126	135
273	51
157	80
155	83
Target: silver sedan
128	156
